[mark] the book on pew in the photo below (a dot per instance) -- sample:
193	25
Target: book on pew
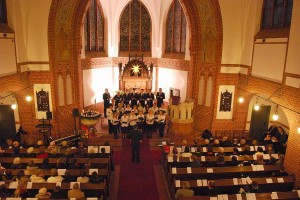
213	198
72	184
189	170
204	182
203	159
58	184
107	149
238	196
269	180
199	182
225	196
61	172
29	185
174	170
250	196
30	198
220	197
235	181
274	195
93	149
248	179
298	191
210	170
266	156
92	198
280	180
204	149
275	155
177	183
13	185
93	170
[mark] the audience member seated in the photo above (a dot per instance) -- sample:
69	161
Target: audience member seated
52	145
281	172
16	163
43	194
58	193
216	143
260	160
54	177
4	192
186	152
21	190
212	190
74	164
39	144
246	161
185	191
208	162
246	150
46	164
242	143
206	134
220	162
67	178
83	178
53	154
64	145
244	190
8	176
76	192
271	161
42	153
270	149
31	169
29	153
225	142
38	177
205	143
234	161
195	162
96	178
235	151
21	177
259	151
103	154
254	187
61	163
221	152
280	161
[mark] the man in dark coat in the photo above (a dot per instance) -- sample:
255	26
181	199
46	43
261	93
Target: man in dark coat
106	99
160	96
135	137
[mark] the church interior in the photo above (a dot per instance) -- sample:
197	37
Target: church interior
227	69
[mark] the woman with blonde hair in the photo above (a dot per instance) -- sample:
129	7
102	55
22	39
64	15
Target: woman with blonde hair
16	163
43	194
185	191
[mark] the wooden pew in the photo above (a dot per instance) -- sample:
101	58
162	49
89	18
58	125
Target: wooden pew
185	161
261	196
232	186
90	189
220	172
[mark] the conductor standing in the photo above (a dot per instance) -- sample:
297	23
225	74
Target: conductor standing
106	99
135	137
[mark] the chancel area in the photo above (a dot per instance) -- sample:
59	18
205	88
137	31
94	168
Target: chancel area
150	99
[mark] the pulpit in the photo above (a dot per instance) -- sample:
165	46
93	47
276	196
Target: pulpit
181	117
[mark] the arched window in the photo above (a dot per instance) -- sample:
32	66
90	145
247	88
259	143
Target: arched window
135	28
277	14
94	27
176	29
3	15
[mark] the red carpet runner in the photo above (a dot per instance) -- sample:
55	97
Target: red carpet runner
137	180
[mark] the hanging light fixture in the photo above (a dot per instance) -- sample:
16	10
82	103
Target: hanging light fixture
13	106
256	107
28	98
299	130
275	115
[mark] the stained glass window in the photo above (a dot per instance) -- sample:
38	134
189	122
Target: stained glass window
94	28
277	14
176	29
135	28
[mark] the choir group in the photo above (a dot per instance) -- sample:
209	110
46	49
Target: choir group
135	108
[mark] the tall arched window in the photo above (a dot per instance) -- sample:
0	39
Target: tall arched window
277	14
176	29
94	27
3	15
135	28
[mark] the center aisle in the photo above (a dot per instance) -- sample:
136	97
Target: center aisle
137	180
